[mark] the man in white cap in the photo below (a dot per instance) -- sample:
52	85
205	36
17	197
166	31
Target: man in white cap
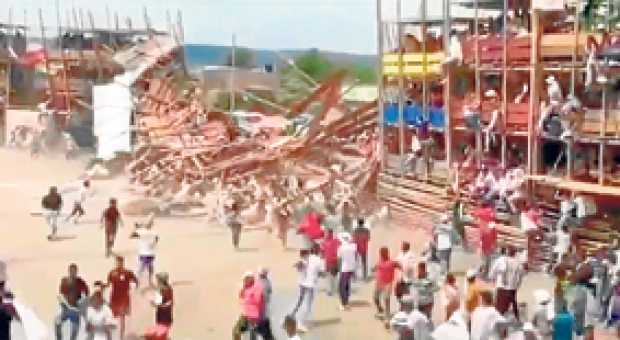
347	255
554	93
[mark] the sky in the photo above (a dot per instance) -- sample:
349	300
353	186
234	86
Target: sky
334	25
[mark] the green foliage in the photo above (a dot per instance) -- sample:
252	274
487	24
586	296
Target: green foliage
244	58
314	64
366	75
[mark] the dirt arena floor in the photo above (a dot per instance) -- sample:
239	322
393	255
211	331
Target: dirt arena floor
204	269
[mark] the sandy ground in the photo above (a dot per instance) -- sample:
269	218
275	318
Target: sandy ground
205	271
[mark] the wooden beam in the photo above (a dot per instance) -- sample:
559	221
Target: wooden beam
380	85
448	85
534	93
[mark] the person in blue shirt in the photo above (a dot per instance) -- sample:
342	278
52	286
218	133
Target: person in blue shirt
563	325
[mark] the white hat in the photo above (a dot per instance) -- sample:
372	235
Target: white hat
528	327
471	273
248	274
550	79
263	271
345	237
490	93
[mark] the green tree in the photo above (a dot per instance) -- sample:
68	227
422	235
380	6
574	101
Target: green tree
314	64
365	74
244	58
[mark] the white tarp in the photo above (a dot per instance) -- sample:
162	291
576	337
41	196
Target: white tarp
112	105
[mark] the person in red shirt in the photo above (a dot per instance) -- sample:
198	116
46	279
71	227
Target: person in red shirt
120	279
110	220
72	298
485	216
310	229
385	271
329	251
361	238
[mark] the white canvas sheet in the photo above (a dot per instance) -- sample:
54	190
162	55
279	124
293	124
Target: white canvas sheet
112	106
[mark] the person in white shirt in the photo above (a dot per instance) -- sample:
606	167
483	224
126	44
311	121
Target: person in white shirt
99	319
562	242
78	207
421	324
401	322
311	267
454	328
347	255
408	262
411	162
147	242
443	237
507	271
486	321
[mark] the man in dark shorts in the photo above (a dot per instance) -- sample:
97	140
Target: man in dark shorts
120	279
73	293
7	314
110	220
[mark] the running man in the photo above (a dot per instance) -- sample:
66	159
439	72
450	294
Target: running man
147	241
120	279
78	206
72	298
110	220
52	203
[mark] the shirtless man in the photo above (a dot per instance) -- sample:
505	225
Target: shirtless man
110	220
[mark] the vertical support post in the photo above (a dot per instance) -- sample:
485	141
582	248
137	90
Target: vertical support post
50	79
534	94
233	64
447	85
504	110
96	46
603	132
573	79
477	79
380	85
401	88
425	110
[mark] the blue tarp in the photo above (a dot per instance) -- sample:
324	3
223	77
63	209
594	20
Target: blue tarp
414	116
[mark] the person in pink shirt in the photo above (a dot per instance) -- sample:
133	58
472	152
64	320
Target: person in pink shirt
329	251
252	307
385	272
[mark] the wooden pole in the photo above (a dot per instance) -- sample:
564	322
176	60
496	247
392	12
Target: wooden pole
401	88
532	152
425	113
477	80
96	46
504	109
233	65
603	133
50	78
573	79
380	84
448	85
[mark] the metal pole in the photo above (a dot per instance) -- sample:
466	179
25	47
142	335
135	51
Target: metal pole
425	113
401	88
447	85
233	64
380	84
107	17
